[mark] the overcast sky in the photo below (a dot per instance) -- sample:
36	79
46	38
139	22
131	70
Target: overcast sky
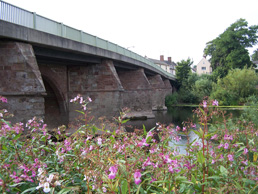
176	28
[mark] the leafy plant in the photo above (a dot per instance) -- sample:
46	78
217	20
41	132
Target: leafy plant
222	159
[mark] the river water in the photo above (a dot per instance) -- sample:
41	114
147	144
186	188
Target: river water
175	116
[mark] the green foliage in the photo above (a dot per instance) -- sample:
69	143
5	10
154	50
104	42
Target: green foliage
255	55
235	87
202	87
185	93
228	50
183	70
171	99
195	88
250	111
221	159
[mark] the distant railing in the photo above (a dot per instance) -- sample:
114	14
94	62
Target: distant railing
14	14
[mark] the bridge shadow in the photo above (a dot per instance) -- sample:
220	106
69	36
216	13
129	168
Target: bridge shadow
55	114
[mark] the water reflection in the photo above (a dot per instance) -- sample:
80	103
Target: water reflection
181	145
176	116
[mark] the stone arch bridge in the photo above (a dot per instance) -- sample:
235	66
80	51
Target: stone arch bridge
43	64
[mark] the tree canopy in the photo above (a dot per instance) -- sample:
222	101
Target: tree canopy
229	49
255	55
183	69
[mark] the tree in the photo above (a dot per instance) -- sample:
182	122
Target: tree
183	69
255	55
236	87
185	93
229	49
202	87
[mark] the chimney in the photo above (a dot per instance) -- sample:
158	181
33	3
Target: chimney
161	57
169	59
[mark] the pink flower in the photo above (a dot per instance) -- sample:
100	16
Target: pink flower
235	145
89	99
3	99
220	146
184	128
149	134
137	177
245	162
99	141
113	171
177	138
228	137
177	128
245	151
153	180
143	143
167	159
147	162
215	103
204	104
226	146
193	125
81	100
230	157
214	136
170	169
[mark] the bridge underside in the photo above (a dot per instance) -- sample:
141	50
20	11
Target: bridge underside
40	82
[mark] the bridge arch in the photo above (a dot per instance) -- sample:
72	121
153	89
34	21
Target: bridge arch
56	111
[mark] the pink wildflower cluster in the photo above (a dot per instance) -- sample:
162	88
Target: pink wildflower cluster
113	171
214	103
3	99
7	128
83	102
36	124
137	177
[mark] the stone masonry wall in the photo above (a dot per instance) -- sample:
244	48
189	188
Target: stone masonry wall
137	95
99	82
21	81
168	87
158	92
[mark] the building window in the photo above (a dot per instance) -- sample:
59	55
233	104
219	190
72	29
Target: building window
203	68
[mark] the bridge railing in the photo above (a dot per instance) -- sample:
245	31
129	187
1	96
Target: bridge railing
14	14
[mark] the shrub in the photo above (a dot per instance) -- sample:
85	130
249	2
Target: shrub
236	87
171	99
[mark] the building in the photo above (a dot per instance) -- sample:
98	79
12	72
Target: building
167	65
203	67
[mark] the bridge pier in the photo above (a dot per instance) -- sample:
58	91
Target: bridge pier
168	87
21	81
137	94
158	92
100	82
